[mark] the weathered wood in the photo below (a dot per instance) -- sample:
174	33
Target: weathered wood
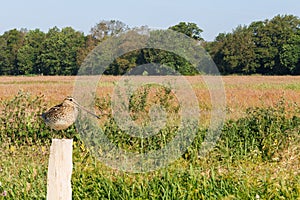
60	170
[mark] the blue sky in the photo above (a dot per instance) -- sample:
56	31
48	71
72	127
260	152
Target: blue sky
213	16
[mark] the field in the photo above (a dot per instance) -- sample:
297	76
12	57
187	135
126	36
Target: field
241	91
256	157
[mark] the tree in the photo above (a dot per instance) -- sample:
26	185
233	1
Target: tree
189	29
4	58
59	51
14	41
89	44
215	50
234	52
290	55
265	47
105	29
270	37
28	54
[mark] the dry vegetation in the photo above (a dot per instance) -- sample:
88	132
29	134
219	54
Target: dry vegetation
256	157
241	91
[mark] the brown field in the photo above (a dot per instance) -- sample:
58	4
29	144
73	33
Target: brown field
241	91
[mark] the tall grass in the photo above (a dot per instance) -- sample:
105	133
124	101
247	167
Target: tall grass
257	156
263	132
20	118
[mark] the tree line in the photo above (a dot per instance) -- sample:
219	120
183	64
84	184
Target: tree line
269	47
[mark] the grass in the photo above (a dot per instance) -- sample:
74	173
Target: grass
257	156
257	89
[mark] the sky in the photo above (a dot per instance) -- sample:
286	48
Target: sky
212	16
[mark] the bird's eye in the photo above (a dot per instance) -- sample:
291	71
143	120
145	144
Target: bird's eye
71	99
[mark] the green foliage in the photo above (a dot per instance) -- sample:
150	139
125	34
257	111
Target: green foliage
263	133
290	54
11	41
234	52
269	47
265	47
59	52
105	29
23	171
4	62
153	62
27	56
21	121
244	165
189	29
144	138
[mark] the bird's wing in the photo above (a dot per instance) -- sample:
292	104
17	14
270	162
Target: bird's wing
51	111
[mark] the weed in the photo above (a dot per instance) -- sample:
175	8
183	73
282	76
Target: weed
247	162
263	132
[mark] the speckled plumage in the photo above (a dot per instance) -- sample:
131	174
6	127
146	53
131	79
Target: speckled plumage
62	116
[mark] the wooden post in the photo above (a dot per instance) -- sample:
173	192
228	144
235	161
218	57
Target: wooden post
60	170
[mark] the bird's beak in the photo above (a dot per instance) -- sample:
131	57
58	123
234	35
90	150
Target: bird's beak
86	110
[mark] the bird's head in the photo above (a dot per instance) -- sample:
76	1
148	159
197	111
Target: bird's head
70	101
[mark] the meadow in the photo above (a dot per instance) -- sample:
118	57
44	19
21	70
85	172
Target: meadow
256	157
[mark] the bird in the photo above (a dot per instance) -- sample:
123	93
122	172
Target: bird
63	115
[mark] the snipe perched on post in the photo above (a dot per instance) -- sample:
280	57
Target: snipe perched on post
62	116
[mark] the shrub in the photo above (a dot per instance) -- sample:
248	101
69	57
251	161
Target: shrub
21	122
262	132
